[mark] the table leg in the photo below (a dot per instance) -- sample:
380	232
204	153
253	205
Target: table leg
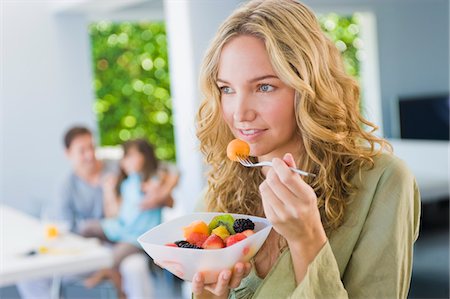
56	287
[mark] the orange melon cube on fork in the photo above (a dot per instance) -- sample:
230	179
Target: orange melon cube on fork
237	149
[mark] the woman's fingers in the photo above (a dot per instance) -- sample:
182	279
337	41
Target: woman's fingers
248	268
279	190
286	176
226	280
222	284
239	273
198	284
271	205
293	183
289	160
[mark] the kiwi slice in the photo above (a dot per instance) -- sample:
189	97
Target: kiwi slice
226	220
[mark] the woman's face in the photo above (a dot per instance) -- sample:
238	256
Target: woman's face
133	161
257	106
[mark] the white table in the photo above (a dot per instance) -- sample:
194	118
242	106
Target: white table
68	254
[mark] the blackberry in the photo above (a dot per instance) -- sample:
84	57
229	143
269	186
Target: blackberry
189	245
181	242
241	225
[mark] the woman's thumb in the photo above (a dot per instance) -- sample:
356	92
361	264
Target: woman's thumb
289	159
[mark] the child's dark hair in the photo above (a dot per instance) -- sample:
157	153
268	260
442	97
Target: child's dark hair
73	133
150	161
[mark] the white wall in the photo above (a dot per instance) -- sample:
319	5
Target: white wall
413	47
414	52
45	88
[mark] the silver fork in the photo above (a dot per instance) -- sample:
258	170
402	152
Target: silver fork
248	163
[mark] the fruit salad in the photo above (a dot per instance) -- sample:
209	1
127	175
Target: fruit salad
222	231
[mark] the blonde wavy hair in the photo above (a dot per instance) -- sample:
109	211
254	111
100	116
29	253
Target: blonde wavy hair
335	144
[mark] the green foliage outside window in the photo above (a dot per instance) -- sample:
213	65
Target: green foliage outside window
132	85
344	32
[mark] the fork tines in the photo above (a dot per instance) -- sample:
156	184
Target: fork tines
244	160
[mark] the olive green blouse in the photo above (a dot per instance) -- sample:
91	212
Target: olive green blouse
369	256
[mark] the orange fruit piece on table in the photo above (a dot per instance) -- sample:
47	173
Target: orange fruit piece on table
51	231
43	249
237	148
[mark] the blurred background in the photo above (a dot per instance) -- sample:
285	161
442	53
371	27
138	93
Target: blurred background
129	69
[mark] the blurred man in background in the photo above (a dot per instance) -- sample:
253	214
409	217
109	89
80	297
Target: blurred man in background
80	199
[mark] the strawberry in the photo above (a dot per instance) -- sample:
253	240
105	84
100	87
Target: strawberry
213	242
196	238
235	238
248	232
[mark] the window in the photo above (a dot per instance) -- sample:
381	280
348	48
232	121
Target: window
355	36
344	32
131	84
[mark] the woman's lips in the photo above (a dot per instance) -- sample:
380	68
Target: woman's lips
250	134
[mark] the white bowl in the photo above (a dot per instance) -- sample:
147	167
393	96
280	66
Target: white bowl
185	262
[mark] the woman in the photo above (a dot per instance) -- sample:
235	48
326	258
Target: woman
272	78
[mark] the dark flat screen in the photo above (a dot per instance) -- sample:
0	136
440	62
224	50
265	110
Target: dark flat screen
424	117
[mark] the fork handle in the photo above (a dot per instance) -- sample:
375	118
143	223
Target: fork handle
304	173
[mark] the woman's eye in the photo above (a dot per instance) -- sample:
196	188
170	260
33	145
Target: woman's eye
266	88
226	89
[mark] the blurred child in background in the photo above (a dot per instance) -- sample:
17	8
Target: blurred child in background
133	205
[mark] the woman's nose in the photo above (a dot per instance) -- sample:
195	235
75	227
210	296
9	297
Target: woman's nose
244	109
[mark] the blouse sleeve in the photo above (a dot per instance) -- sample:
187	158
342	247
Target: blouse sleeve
322	279
381	261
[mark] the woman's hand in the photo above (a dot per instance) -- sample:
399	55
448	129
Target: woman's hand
158	193
154	195
291	206
111	201
226	280
109	183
